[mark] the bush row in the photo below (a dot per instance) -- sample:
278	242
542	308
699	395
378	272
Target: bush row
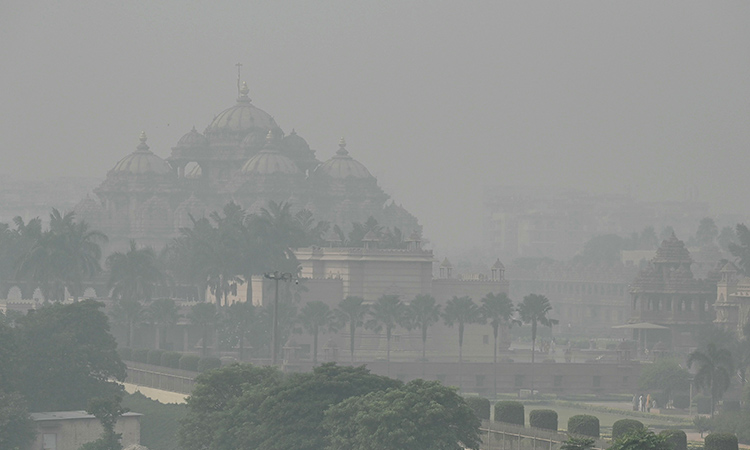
175	360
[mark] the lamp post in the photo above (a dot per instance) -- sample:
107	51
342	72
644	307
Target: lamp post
276	276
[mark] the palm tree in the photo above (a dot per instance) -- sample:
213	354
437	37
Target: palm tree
352	310
388	311
314	317
129	313
423	313
534	310
461	311
498	310
203	315
715	368
237	322
163	313
134	276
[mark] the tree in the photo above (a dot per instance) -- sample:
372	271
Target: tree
134	275
237	326
715	368
130	313
353	311
577	443
422	313
107	410
17	429
726	236
741	250
67	356
387	312
604	249
291	414
461	311
664	375
314	317
642	439
163	313
707	232
498	310
217	407
422	415
204	315
63	256
702	424
534	310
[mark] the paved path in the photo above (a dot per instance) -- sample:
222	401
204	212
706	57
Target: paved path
156	394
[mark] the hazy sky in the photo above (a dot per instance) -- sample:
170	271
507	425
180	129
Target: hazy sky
437	99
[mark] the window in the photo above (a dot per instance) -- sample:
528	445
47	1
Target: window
519	380
597	381
486	339
557	382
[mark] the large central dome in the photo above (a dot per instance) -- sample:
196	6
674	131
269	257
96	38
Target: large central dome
241	118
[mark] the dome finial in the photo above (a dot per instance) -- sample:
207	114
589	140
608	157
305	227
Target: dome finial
342	151
244	90
269	137
143	146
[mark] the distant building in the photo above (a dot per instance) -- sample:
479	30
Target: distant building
69	430
241	156
668	303
732	299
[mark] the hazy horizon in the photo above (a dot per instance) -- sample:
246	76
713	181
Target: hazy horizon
436	99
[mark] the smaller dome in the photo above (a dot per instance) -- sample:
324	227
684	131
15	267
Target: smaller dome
142	161
295	143
269	161
193	139
498	265
343	166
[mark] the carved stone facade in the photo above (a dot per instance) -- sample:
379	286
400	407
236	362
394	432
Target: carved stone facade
242	156
732	299
665	293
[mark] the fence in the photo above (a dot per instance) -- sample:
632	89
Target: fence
158	377
506	436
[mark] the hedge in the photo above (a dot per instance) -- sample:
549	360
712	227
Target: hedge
125	353
480	406
584	424
140	355
721	441
154	357
543	418
676	438
510	412
208	363
189	362
171	359
624	426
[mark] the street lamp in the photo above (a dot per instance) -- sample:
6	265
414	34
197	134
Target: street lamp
276	276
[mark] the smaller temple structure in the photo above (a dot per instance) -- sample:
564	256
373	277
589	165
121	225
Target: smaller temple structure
668	303
732	299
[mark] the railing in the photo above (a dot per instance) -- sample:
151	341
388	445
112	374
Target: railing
158	377
506	436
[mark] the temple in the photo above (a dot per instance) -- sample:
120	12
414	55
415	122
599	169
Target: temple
241	156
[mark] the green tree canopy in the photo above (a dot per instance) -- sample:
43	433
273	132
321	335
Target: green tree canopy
715	368
352	310
664	375
422	415
642	439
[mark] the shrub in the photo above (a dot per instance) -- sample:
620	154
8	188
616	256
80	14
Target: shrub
140	355
721	441
676	438
125	353
154	357
480	406
543	418
624	426
681	400
584	424
208	363
189	362
510	412
171	359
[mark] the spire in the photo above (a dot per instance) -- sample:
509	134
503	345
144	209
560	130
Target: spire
342	151
143	147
